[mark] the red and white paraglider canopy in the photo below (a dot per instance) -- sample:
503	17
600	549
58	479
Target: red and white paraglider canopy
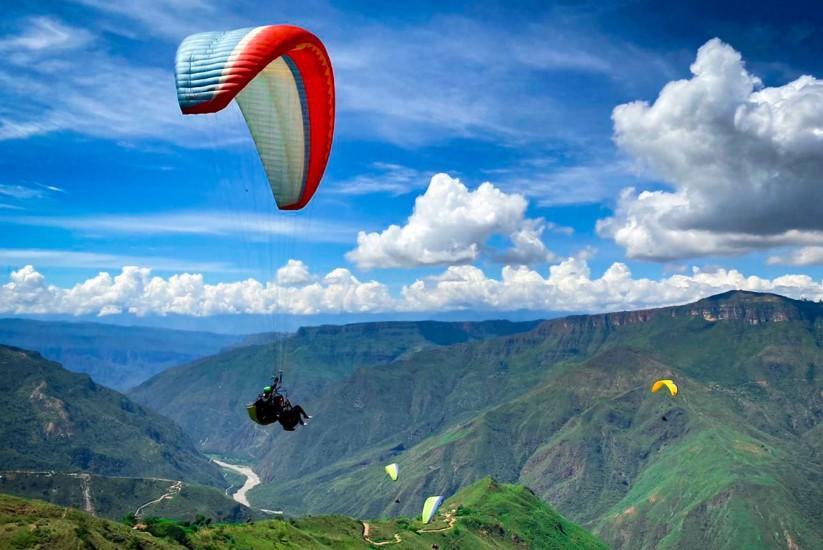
282	79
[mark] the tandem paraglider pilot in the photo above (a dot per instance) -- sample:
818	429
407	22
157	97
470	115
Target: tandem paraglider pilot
271	406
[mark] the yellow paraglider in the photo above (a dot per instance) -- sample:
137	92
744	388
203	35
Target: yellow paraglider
670	385
430	508
393	470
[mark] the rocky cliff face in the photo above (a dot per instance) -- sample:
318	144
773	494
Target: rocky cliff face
751	308
737	305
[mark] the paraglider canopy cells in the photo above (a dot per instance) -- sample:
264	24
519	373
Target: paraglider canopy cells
281	78
668	384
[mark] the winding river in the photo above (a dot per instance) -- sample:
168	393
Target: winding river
252	480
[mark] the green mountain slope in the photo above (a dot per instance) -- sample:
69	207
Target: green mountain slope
486	515
211	409
35	524
54	419
566	409
117	357
115	497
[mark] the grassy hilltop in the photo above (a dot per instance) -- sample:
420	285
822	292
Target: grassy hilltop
486	515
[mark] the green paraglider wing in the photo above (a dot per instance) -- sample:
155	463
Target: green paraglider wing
430	508
392	470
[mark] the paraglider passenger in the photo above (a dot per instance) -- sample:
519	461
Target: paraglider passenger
291	415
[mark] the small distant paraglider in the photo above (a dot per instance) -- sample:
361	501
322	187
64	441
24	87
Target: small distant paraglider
430	508
392	470
668	384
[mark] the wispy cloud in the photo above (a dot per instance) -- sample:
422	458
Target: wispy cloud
384	177
45	33
23	192
19	191
451	77
100	94
93	260
206	223
552	184
472	78
168	19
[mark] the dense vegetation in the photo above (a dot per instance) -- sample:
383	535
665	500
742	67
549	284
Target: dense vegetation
211	410
486	515
733	461
58	420
34	524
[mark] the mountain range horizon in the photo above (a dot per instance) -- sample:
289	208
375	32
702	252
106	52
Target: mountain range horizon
561	406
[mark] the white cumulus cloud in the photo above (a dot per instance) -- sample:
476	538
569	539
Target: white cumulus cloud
567	286
745	162
570	286
135	291
451	224
294	272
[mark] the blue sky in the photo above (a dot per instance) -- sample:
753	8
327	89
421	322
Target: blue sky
100	170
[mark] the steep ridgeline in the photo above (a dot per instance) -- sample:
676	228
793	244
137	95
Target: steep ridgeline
734	461
208	397
54	419
117	357
116	497
485	516
36	524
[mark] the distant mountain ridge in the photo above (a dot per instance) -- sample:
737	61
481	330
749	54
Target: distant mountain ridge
441	333
566	409
218	387
116	356
735	305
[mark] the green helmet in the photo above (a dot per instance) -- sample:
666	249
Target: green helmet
267	390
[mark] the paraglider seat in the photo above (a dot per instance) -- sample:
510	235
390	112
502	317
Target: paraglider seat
259	417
